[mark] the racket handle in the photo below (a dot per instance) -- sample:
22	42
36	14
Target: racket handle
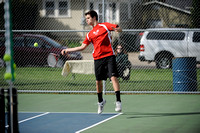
62	55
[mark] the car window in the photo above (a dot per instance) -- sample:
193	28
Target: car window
52	42
31	40
18	41
166	36
196	37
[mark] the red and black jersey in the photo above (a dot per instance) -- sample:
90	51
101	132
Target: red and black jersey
101	39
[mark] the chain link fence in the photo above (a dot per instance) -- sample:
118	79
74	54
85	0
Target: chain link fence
155	34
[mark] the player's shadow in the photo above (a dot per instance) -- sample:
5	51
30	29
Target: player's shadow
131	115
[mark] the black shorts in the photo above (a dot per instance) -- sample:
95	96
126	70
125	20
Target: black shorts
105	68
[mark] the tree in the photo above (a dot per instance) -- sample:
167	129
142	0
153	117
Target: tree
24	15
195	14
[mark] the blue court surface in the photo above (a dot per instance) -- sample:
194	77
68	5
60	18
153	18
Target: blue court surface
48	122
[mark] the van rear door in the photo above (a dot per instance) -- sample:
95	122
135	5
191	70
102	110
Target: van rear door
194	44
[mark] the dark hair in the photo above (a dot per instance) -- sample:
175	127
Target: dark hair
92	13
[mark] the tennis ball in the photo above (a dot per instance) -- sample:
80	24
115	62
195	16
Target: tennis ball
14	75
7	76
35	44
7	57
14	66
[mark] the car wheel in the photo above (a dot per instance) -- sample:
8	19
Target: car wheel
164	62
2	63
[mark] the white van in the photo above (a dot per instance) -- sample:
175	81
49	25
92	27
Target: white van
162	44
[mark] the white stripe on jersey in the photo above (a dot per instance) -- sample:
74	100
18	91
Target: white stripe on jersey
109	36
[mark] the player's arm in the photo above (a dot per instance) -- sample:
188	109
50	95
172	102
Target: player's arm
80	48
117	29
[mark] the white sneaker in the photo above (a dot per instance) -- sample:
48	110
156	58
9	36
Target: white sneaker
100	106
118	107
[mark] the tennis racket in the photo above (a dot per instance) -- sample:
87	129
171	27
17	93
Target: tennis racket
55	60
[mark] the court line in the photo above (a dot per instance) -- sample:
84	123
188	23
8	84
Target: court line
98	123
70	112
33	117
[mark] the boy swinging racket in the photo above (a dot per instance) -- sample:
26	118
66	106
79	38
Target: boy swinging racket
104	56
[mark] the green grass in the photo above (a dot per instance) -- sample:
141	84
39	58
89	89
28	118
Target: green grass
44	78
73	44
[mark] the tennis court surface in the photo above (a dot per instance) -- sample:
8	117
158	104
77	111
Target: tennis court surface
42	113
48	122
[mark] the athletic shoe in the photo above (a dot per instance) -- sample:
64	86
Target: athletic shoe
118	107
100	106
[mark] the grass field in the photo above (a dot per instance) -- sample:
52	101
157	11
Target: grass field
45	78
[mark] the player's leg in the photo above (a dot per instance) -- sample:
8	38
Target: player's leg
115	82
99	87
100	74
101	101
113	74
116	87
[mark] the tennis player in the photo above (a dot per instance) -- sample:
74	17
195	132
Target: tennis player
103	54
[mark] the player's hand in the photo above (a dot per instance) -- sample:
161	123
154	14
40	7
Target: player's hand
118	29
64	52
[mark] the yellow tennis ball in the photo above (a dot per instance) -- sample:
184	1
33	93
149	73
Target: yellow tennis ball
7	76
14	75
14	66
7	57
35	44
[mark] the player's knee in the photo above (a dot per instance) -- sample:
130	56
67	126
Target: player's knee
113	78
99	84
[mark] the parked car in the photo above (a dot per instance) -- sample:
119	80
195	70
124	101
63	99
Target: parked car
161	45
131	41
26	54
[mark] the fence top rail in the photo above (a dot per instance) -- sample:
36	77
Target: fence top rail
126	30
66	30
47	30
163	29
173	29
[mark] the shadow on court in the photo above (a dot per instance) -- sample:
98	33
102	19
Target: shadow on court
145	115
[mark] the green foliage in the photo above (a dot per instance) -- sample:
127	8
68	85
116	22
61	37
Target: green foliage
195	14
73	44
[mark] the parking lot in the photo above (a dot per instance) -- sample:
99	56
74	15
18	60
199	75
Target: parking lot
133	58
